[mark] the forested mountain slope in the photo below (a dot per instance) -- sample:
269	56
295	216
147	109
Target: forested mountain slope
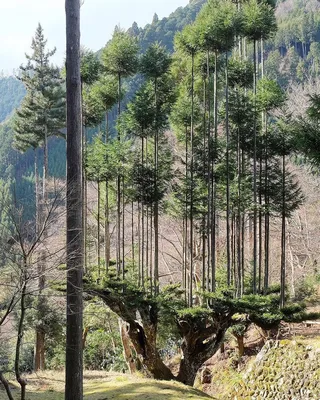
292	55
20	167
199	205
164	30
11	94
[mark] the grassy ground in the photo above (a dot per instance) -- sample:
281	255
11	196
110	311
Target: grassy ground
102	386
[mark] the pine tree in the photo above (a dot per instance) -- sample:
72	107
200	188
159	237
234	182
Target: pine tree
41	115
45	100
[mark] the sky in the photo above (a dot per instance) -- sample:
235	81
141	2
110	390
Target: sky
19	19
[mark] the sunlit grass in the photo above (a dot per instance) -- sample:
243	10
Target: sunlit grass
106	386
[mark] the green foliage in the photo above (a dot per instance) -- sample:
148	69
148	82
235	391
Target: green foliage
270	95
5	355
119	57
238	329
307	289
218	22
155	62
99	353
194	313
26	357
106	89
55	356
105	160
42	112
259	21
92	108
164	30
142	177
90	66
188	41
142	118
240	73
306	132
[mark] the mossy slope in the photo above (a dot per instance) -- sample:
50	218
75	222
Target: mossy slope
282	370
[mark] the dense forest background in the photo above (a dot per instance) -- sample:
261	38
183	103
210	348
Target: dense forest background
202	182
292	56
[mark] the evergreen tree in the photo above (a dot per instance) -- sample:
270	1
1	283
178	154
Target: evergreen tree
120	59
44	103
155	64
189	43
107	92
41	115
258	23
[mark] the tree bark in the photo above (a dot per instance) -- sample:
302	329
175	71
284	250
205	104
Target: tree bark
191	183
144	338
213	180
118	219
39	354
106	210
99	230
107	229
283	237
5	383
125	338
254	281
197	347
75	251
22	382
142	333
229	271
240	342
156	204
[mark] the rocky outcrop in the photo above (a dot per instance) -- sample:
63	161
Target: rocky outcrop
283	370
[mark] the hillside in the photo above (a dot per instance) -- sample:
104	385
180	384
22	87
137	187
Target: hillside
163	30
291	56
19	168
11	93
281	370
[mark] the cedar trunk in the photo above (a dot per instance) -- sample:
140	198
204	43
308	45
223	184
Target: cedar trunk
75	251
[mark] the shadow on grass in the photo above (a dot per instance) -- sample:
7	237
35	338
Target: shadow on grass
123	389
34	395
126	390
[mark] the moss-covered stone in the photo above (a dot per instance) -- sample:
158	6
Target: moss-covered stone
289	369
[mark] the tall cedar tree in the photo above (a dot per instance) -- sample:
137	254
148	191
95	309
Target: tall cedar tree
107	91
155	64
188	41
258	23
120	58
90	69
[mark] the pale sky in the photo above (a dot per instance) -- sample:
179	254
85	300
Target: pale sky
19	19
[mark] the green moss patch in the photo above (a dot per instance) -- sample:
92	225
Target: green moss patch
100	386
